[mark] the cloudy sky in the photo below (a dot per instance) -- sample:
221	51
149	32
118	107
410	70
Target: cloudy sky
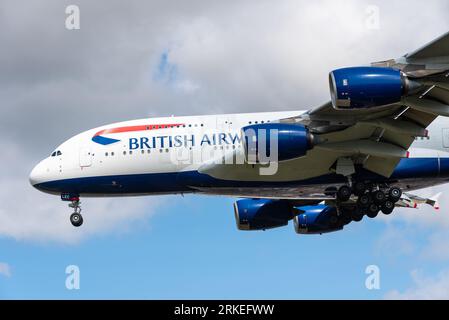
135	59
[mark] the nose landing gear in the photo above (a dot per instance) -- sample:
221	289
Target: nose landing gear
75	218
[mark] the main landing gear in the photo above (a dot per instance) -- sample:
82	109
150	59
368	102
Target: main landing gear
75	218
371	199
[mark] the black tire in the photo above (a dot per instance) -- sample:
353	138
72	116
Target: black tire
373	210
346	219
395	194
388	207
344	193
364	200
379	197
359	188
372	214
76	219
357	217
346	214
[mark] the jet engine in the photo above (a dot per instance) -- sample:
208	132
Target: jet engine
317	219
261	214
368	87
278	141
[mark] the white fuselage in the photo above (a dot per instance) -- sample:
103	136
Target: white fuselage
167	146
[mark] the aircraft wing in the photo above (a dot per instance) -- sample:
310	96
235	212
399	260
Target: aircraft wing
378	138
375	138
437	48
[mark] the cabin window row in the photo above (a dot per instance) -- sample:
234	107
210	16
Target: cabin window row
130	152
257	122
166	126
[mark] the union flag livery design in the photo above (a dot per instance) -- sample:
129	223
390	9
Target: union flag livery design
100	139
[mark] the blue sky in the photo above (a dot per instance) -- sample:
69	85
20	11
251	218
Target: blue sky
192	249
139	59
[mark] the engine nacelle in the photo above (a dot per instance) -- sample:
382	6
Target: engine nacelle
368	87
317	219
261	214
262	141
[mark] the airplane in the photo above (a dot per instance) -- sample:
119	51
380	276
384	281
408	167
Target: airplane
383	134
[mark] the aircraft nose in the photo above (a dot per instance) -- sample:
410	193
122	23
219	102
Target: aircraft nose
37	175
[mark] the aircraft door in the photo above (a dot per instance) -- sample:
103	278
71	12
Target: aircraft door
224	123
85	157
446	138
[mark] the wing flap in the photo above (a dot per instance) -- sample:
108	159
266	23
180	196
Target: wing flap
366	147
382	166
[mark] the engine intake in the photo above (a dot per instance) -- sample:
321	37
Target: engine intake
261	214
317	220
278	141
368	87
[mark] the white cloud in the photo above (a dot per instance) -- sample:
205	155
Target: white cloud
29	215
5	269
437	248
399	238
424	288
395	241
42	218
230	57
425	215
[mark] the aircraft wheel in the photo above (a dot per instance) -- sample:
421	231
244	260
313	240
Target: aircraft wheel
388	207
346	219
359	188
373	210
346	214
357	217
395	194
76	219
344	193
379	197
364	200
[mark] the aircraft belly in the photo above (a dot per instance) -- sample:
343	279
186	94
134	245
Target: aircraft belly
316	163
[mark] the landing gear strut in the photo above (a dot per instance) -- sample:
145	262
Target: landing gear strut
75	218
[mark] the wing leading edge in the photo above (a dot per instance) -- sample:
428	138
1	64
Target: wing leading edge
383	135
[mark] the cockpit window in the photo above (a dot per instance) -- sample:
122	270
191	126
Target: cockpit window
56	153
53	154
